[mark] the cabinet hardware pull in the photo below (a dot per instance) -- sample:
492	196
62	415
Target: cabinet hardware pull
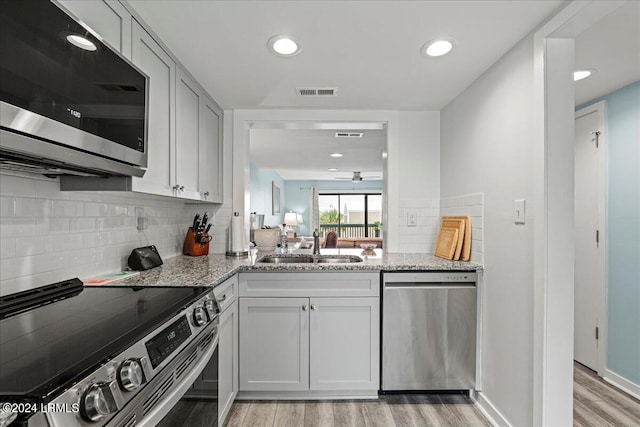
313	307
224	297
206	194
305	307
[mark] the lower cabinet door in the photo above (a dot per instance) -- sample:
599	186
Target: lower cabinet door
345	343
274	342
228	356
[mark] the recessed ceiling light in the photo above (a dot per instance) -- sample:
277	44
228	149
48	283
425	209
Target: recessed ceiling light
332	169
336	154
81	42
582	74
437	48
284	45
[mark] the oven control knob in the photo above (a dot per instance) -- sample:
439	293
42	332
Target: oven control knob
98	401
212	311
130	374
200	316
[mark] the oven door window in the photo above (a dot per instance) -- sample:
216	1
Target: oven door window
199	405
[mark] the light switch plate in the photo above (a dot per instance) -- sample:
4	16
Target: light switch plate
519	212
412	219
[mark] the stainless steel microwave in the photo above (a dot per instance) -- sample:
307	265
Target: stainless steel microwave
69	104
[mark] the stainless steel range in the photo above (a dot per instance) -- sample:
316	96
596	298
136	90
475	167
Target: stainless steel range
117	356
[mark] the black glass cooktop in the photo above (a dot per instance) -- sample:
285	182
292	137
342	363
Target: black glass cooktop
46	349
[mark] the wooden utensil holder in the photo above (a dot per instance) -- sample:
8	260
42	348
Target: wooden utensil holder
193	248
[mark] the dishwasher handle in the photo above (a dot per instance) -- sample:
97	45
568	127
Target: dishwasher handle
405	286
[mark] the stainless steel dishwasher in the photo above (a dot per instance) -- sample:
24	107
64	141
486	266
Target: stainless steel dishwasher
429	331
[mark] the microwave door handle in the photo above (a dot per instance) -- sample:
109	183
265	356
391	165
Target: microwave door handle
163	407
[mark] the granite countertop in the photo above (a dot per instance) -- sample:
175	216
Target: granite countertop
213	269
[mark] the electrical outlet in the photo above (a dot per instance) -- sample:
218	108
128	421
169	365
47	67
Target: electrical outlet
519	212
140	218
412	219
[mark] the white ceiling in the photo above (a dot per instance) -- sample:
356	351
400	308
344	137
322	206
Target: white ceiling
303	154
370	50
612	47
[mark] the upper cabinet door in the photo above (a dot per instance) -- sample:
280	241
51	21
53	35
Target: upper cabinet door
108	18
188	95
158	65
210	151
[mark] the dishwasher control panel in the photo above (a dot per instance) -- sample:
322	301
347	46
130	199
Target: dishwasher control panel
431	277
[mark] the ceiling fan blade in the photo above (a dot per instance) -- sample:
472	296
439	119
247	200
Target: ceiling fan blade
344	178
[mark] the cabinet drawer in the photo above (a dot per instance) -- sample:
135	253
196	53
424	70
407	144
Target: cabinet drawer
226	292
310	284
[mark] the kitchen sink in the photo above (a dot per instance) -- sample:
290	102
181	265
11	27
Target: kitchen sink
340	260
284	259
308	259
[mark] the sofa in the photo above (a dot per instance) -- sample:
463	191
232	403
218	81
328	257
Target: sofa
355	242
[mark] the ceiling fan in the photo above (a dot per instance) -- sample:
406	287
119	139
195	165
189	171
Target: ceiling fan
357	177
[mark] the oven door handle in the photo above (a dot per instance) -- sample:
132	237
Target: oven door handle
163	407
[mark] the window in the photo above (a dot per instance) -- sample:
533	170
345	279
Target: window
350	215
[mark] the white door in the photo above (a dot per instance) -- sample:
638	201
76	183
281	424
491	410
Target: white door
589	236
227	360
345	343
210	152
274	344
187	134
158	65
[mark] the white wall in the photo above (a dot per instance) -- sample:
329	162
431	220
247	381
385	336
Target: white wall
487	147
411	169
418	174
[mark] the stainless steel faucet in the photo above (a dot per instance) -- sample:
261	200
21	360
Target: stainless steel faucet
316	242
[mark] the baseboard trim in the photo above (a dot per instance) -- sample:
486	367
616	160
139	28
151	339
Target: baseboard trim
307	395
622	383
489	410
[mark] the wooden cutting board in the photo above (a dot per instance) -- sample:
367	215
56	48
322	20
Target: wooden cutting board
458	224
465	255
446	243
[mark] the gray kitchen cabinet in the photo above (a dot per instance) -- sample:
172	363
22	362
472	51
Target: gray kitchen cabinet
198	142
108	18
344	343
274	344
210	158
315	346
227	346
187	154
161	69
185	125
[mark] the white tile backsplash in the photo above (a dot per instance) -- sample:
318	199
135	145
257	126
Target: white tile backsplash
48	235
469	205
422	237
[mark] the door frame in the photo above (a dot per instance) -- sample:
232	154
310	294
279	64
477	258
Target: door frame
553	125
600	110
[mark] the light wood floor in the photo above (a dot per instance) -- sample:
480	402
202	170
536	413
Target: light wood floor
596	403
388	411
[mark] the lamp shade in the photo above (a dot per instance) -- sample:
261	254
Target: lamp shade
291	219
300	221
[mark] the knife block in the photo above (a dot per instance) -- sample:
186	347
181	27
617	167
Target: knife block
193	248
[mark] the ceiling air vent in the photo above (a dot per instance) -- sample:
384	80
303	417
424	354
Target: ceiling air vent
349	134
317	91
